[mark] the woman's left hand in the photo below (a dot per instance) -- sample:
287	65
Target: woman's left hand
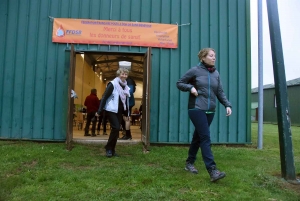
228	111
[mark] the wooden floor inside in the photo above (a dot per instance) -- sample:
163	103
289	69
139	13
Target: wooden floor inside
78	134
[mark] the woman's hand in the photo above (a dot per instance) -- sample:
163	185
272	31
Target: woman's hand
194	91
228	111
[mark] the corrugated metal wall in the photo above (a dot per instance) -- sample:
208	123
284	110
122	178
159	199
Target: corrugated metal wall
34	72
270	111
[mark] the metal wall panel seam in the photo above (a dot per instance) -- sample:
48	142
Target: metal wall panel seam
174	84
70	9
165	18
55	114
130	11
23	76
243	61
238	69
140	48
248	116
228	83
45	74
14	75
171	84
110	16
40	85
28	99
55	86
3	70
219	47
179	71
99	46
10	77
34	67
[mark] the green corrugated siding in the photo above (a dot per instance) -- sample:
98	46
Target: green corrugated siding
270	111
33	87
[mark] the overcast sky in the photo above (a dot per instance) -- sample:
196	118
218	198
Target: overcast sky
289	18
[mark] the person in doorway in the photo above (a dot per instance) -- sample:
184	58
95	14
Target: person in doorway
92	104
135	116
126	120
104	123
115	103
203	83
100	118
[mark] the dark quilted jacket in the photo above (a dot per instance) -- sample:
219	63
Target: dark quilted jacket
207	84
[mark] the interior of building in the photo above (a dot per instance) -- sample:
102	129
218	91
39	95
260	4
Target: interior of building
95	70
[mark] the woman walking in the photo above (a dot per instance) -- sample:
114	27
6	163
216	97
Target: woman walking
203	83
115	102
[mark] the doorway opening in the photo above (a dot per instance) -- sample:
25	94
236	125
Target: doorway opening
93	70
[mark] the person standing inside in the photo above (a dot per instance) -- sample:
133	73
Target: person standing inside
115	103
92	104
126	120
135	116
203	83
100	118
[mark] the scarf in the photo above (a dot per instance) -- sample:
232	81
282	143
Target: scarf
210	68
124	93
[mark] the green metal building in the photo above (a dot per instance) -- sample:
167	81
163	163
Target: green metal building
270	111
34	72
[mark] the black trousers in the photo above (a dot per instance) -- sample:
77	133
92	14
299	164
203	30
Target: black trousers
89	117
100	118
115	120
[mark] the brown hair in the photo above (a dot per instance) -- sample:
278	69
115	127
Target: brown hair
204	52
93	91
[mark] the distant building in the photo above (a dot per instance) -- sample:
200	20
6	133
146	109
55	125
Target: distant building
270	113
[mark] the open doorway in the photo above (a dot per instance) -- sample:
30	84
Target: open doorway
95	70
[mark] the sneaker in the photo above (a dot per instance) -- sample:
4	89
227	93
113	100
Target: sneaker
87	134
215	174
191	168
104	133
109	153
94	135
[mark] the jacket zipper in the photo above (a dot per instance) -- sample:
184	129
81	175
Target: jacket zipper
208	105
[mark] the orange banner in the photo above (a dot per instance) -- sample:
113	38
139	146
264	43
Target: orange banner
114	33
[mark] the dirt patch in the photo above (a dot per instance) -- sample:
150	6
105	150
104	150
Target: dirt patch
30	164
293	185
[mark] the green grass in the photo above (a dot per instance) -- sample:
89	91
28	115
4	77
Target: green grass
46	171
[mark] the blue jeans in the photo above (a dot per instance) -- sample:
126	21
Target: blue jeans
201	137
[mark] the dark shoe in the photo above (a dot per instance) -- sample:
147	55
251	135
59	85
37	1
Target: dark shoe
109	153
191	168
126	138
215	174
94	135
87	134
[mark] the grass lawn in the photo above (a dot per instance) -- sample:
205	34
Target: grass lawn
46	171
